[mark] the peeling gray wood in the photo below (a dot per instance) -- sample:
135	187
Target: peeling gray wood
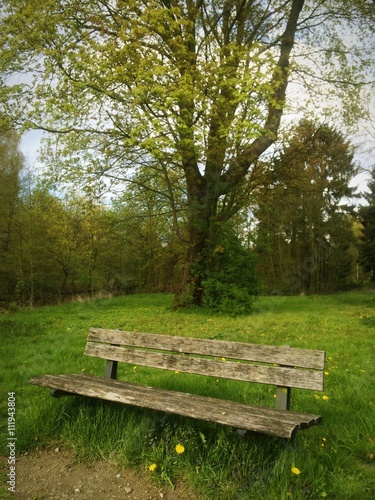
302	358
253	418
287	377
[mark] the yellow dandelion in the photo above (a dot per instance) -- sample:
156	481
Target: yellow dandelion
326	373
152	467
325	398
180	448
296	471
222	359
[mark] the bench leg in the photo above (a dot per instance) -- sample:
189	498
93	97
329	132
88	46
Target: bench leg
110	369
282	398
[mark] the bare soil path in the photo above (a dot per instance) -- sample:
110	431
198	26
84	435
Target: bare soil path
57	475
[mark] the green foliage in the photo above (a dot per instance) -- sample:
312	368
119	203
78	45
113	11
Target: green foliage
305	234
192	93
11	165
230	280
226	297
367	218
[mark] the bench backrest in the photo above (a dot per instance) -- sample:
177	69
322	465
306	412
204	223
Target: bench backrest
280	366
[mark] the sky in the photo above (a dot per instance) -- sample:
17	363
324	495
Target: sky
30	144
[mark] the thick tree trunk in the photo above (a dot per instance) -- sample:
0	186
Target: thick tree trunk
202	219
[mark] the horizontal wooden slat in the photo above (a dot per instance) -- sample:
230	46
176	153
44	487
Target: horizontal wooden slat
303	358
286	377
253	418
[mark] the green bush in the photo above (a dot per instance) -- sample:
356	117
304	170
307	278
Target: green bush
226	298
230	283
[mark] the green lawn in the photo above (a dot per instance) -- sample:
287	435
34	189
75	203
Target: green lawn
335	459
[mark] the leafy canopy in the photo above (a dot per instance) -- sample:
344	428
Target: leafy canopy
193	85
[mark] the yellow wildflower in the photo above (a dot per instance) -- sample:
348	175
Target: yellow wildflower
296	471
152	467
180	448
325	398
222	359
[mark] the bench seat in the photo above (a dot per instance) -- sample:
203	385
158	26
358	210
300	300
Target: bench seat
282	423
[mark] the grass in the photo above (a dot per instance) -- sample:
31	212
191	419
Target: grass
335	459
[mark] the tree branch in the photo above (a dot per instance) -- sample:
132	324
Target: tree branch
279	81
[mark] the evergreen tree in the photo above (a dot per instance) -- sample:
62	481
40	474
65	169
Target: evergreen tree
304	231
367	217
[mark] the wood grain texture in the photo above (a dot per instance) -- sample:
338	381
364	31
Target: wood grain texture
253	418
287	356
287	377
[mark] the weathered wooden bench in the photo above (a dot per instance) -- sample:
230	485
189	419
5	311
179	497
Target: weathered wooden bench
283	367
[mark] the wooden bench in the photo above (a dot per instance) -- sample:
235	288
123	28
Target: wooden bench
283	367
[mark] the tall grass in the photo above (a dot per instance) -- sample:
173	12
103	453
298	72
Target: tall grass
335	459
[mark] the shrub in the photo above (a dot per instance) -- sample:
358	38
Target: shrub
230	283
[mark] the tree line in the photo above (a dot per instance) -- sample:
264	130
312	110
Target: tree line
295	235
182	100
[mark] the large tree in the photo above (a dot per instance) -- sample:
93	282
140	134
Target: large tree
184	89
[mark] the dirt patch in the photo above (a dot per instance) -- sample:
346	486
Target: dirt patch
57	475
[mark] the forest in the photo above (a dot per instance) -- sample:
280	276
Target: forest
299	233
202	147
